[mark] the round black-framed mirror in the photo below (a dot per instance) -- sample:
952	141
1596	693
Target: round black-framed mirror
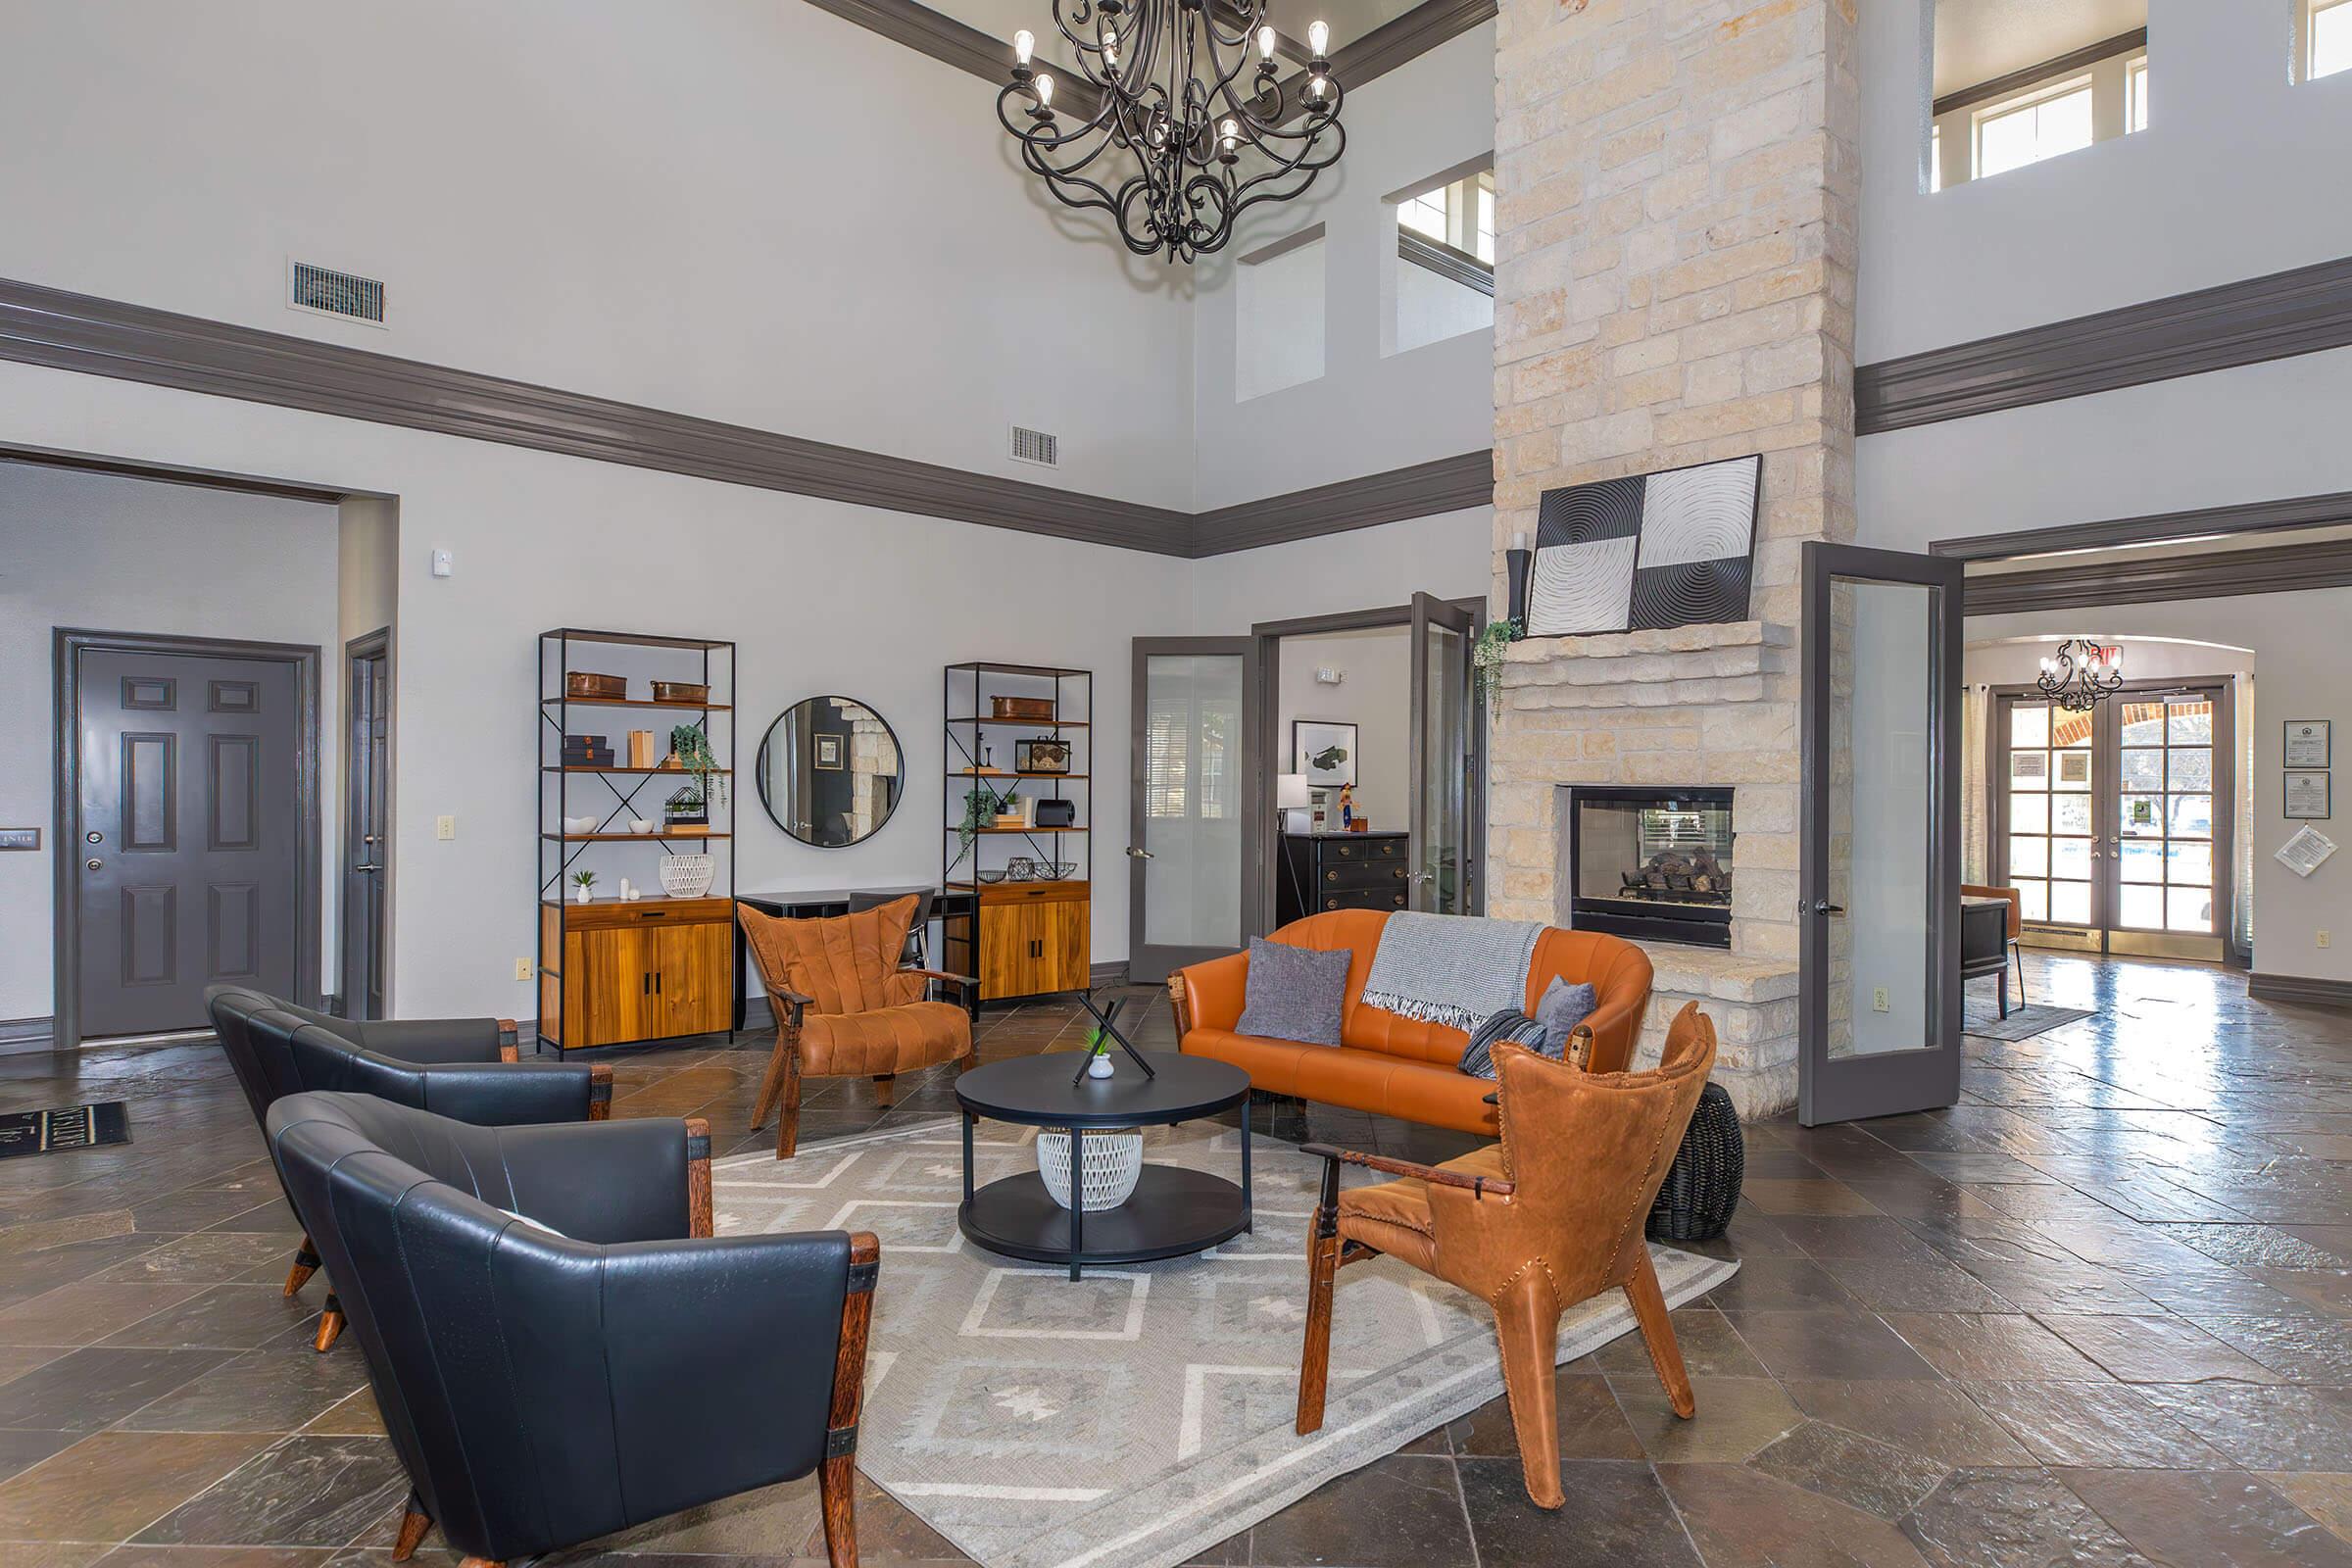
830	772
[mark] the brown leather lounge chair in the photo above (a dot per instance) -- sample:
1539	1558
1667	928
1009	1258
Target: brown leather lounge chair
846	1008
1531	1225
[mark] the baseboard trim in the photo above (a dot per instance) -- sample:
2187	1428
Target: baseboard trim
18	1035
2308	991
2275	317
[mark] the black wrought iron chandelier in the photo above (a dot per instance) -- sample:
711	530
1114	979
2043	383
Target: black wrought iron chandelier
1174	143
2082	674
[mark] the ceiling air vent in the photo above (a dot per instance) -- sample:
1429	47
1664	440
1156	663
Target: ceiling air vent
323	289
1035	446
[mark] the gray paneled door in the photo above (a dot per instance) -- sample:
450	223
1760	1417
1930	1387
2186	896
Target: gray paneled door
188	839
1193	809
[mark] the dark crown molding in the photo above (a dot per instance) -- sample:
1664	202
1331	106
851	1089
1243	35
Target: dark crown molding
2261	319
64	332
2016	81
1424	490
2213	574
2205	523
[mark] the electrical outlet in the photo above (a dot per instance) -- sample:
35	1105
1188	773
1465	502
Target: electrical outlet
2322	935
445	827
1878	1000
522	968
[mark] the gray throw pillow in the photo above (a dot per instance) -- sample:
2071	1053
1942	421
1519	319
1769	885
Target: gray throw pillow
1560	1009
1510	1024
1294	993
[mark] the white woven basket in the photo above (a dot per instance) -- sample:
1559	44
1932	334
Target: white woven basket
1114	1159
688	876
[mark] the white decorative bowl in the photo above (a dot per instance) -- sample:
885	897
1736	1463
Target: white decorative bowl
688	876
580	824
642	824
1114	1159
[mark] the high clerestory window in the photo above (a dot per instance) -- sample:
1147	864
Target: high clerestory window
2326	39
2016	85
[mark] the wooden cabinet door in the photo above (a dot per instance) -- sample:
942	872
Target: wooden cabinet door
607	985
694	965
1063	947
1010	939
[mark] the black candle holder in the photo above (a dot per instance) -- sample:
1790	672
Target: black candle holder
1517	564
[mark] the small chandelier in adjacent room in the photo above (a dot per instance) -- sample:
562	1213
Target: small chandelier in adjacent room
1172	131
2081	674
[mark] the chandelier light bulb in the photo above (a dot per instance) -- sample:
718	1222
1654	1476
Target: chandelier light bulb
1316	87
1265	41
1024	44
1045	92
1318	37
1230	133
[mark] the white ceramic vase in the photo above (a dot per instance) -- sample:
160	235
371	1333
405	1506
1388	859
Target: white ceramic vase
1100	1066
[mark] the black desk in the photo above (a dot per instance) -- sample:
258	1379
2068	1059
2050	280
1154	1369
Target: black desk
817	904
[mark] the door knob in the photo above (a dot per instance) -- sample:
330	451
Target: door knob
1825	907
369	869
1138	852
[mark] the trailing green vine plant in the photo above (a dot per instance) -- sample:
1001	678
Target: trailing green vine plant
690	748
1486	658
982	802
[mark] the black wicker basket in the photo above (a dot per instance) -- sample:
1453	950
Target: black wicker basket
1704	1187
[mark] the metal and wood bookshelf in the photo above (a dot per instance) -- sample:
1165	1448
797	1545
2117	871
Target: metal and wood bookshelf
613	972
1025	936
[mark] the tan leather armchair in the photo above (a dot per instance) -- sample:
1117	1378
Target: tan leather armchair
845	1007
1548	1217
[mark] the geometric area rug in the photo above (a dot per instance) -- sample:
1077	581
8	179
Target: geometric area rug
1145	1413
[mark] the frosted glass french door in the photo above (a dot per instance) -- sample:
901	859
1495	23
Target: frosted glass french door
2115	825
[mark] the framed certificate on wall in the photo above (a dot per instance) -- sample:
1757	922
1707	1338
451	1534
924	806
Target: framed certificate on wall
2307	797
2307	742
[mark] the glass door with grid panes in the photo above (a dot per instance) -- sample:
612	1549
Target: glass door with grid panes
2115	825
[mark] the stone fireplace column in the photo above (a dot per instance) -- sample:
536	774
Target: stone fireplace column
1675	248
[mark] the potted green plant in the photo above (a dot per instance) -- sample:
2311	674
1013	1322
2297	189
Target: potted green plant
981	804
1487	655
1097	1045
585	884
690	749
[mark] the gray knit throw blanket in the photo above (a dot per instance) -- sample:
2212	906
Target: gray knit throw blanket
1453	970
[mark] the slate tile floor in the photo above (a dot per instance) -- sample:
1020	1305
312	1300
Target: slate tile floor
2099	1312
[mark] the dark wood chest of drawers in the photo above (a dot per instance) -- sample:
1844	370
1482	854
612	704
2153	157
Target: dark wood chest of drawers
1321	872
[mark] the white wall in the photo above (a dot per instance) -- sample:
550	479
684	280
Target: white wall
755	212
1376	697
105	554
2302	672
823	598
2232	178
1450	554
1279	320
1368	411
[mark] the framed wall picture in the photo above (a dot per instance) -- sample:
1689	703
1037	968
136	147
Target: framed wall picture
1324	750
2308	742
1041	754
1646	553
2307	796
828	753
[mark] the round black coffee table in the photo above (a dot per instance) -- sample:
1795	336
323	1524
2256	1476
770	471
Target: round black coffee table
1172	1210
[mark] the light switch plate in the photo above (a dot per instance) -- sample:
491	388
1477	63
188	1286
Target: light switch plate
445	827
522	968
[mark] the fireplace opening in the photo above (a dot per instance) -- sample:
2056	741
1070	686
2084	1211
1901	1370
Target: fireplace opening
1651	862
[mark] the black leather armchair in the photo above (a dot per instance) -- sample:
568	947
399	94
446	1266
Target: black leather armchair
547	1389
462	1067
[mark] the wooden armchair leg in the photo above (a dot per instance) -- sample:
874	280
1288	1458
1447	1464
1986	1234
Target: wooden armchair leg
1322	1273
700	1218
1527	1320
305	1265
886	1087
1657	1331
600	1091
788	1120
837	1478
780	1063
414	1523
330	1325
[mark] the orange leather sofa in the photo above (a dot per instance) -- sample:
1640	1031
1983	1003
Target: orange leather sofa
1392	1067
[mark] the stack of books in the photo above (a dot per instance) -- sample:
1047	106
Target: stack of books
586	750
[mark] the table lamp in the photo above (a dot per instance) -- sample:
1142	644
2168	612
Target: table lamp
1292	798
